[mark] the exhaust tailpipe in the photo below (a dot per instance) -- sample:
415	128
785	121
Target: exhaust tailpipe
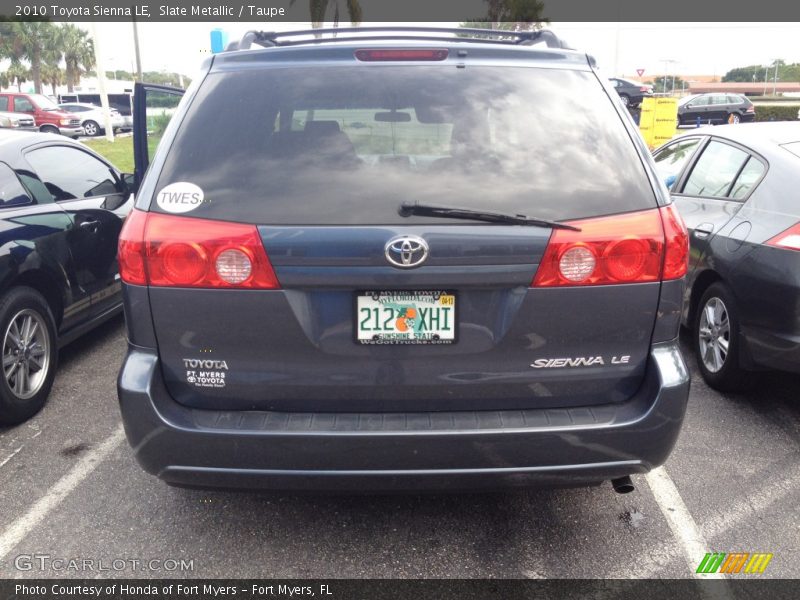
623	485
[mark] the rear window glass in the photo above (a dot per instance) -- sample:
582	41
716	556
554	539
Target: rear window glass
348	145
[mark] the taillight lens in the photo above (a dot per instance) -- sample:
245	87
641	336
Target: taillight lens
789	239
170	251
629	248
130	254
676	257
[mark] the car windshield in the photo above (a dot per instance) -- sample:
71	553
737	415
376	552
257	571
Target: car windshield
44	102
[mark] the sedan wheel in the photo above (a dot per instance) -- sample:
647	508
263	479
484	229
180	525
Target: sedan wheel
625	100
91	128
714	334
717	337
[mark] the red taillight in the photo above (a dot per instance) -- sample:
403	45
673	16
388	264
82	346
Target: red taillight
131	249
644	89
751	109
400	55
676	257
789	239
626	248
170	251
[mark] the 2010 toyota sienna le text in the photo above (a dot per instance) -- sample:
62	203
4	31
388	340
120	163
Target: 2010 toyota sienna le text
402	264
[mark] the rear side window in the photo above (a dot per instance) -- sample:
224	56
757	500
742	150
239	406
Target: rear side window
748	178
11	191
715	170
348	145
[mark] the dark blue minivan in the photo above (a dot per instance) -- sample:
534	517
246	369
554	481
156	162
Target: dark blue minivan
400	260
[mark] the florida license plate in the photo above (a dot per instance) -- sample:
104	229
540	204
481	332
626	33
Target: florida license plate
410	317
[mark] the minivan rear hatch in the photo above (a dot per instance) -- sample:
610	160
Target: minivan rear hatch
372	308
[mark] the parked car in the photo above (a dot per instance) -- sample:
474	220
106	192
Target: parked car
49	118
370	309
92	118
715	109
735	187
17	121
61	210
631	92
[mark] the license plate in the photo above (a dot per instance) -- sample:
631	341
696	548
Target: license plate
398	318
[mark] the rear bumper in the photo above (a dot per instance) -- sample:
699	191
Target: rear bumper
392	451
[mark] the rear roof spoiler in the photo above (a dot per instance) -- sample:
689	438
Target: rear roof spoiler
271	39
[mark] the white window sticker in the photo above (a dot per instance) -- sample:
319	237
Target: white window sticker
180	197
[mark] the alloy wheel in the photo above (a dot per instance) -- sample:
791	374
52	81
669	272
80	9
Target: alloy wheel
26	353
714	333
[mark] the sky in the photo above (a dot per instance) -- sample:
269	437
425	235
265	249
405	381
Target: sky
620	48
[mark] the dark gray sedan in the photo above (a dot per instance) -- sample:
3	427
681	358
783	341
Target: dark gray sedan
736	187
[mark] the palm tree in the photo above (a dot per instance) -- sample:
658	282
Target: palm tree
17	74
29	40
318	8
78	50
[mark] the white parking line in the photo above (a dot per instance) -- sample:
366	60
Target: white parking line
17	531
10	456
680	521
751	506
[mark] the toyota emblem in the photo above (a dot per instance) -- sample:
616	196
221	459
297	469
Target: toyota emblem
406	251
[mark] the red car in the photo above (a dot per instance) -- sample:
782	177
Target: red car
48	116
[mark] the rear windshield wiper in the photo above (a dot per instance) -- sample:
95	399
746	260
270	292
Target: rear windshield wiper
447	212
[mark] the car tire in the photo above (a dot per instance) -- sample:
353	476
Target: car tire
626	101
717	341
50	129
29	363
91	128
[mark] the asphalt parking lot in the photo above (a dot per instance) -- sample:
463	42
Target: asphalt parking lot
70	489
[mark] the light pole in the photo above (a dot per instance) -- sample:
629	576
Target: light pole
775	80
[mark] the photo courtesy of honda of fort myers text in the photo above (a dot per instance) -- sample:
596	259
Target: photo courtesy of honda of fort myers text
360	299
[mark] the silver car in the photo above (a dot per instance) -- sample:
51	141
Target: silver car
18	121
92	118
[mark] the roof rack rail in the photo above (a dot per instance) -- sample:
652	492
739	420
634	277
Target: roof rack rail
269	39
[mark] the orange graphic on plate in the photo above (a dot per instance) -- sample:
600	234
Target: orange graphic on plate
405	314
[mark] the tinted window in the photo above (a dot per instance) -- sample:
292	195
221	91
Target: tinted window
4	103
715	170
748	178
22	105
671	160
348	145
701	101
70	173
734	99
11	191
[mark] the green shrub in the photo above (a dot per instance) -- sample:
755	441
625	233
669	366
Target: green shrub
777	112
